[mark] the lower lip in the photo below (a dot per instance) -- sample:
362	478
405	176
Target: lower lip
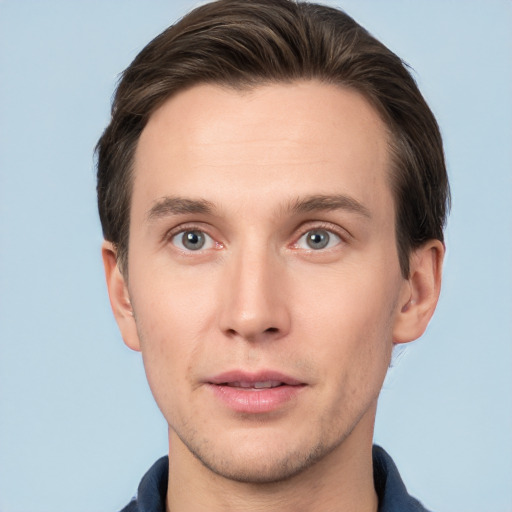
254	401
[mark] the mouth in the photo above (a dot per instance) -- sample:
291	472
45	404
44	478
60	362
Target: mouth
255	393
268	384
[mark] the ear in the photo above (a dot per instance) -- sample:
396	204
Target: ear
119	297
420	292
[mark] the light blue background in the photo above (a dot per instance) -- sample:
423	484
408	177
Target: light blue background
78	426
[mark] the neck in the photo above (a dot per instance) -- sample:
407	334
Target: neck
340	482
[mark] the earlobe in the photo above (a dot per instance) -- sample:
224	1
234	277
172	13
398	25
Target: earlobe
119	297
420	292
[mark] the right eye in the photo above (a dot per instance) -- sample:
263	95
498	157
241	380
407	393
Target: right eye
192	240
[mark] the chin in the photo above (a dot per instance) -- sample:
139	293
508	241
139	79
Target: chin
261	465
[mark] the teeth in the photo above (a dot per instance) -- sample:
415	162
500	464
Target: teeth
256	385
267	384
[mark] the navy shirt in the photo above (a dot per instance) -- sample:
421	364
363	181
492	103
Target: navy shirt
393	496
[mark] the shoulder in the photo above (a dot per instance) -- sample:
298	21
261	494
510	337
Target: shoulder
152	489
391	490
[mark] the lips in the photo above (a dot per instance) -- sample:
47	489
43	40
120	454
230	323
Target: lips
254	393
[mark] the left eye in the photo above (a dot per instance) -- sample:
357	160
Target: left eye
192	240
317	239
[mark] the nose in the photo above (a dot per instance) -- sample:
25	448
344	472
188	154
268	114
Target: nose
254	300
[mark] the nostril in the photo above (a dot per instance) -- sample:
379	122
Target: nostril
272	329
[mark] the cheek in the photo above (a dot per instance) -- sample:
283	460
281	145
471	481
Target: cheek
173	306
348	317
356	299
353	351
173	315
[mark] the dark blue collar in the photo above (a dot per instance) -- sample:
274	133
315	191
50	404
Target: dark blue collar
393	496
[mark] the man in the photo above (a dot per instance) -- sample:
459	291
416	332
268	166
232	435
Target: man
272	191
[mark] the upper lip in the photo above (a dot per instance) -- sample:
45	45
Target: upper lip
253	377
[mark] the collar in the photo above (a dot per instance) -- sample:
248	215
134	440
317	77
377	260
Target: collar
391	491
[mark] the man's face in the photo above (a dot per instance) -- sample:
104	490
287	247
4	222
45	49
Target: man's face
262	253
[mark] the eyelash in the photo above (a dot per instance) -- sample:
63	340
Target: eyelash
303	231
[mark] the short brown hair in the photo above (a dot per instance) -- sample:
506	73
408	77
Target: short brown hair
247	43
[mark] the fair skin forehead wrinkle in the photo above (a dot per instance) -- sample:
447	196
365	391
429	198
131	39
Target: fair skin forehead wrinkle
172	205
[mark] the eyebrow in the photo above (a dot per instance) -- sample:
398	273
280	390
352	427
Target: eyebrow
329	202
170	205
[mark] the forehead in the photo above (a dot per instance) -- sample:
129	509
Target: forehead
304	137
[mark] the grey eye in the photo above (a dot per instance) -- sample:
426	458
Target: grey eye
318	239
192	240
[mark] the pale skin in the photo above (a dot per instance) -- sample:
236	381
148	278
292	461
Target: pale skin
289	264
